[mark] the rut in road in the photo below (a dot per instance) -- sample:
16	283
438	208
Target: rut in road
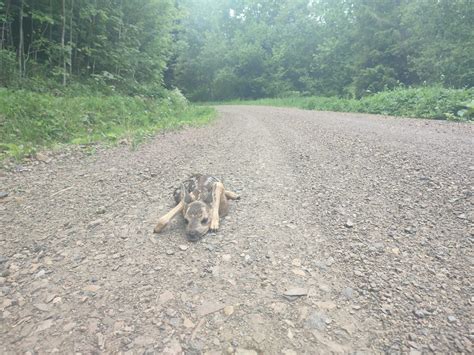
369	217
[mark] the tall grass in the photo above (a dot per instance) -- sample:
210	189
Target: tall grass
425	102
30	121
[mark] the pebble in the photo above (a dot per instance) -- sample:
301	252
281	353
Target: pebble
347	293
42	307
40	273
3	194
349	223
317	320
188	323
226	257
296	262
183	247
228	310
91	288
100	210
295	292
95	223
419	313
169	252
241	351
452	319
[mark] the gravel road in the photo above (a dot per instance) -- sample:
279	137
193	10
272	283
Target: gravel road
353	233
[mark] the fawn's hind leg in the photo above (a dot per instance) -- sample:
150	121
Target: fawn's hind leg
231	195
163	221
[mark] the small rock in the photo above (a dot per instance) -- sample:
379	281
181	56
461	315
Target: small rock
228	310
169	252
298	272
42	157
226	257
183	247
349	223
101	210
317	320
3	194
188	323
396	251
44	325
241	351
296	262
42	307
70	326
50	297
419	313
91	288
40	274
462	216
95	223
347	293
296	292
143	340
166	296
452	319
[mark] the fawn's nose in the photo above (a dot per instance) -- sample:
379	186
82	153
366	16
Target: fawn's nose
193	235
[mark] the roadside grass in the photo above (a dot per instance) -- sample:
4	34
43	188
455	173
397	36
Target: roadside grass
32	121
424	102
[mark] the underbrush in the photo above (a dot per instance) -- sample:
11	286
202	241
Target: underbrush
424	102
32	121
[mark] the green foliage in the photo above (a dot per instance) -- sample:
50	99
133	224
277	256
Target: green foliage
115	45
428	102
30	120
347	48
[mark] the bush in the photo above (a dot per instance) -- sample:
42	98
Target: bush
31	120
425	102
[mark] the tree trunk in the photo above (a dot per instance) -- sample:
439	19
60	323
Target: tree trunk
63	34
51	25
21	42
4	25
70	37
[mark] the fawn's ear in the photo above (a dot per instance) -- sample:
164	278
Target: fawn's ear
185	196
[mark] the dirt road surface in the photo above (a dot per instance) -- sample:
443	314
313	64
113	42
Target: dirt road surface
353	233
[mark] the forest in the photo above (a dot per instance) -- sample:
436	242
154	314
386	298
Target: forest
210	50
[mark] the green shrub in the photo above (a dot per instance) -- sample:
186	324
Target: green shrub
31	120
424	102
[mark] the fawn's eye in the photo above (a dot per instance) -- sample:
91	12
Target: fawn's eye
204	221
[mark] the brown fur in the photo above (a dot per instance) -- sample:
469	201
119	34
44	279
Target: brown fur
203	200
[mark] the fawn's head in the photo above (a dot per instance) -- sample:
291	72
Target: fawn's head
197	216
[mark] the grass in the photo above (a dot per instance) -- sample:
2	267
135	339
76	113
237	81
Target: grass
425	102
33	121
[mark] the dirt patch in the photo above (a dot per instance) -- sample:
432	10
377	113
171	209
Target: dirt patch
354	232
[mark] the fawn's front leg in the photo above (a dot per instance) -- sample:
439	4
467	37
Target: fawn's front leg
163	221
216	200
